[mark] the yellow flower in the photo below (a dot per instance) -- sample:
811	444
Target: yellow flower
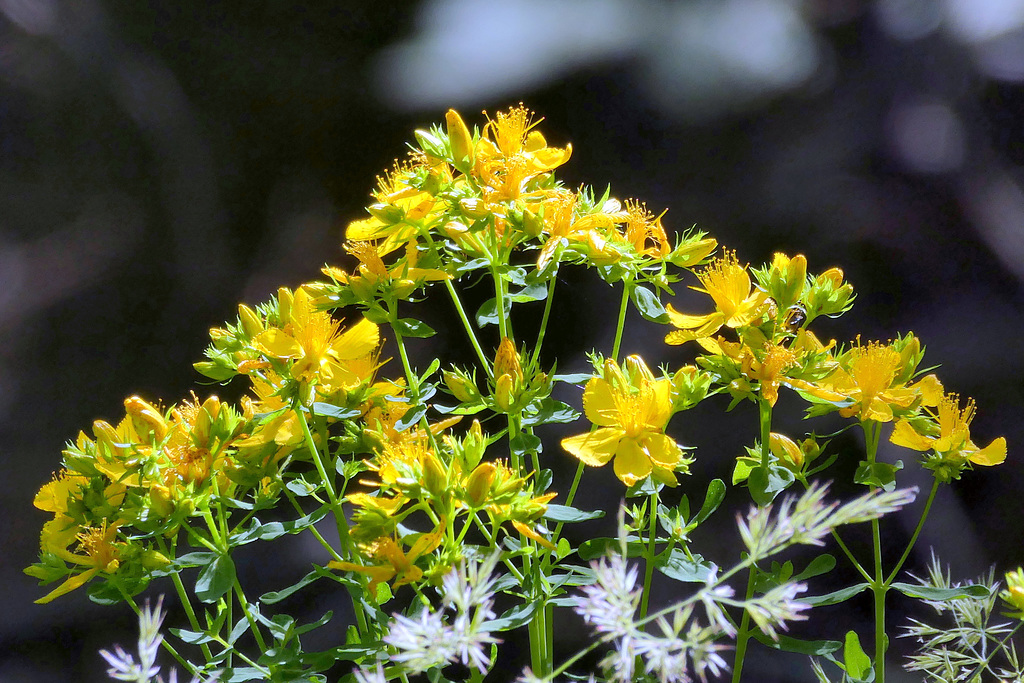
631	409
392	561
644	231
98	551
728	284
319	350
563	225
398	207
953	437
511	153
403	277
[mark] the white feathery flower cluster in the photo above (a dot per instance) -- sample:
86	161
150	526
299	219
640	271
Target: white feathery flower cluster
428	639
123	666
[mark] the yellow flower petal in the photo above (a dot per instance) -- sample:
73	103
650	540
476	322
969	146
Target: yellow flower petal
992	454
631	463
595	448
905	435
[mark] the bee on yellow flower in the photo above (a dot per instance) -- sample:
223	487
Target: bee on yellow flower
631	410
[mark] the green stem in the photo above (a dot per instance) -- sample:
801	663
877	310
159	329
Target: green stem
193	620
627	287
253	626
879	588
652	535
764	410
544	318
504	324
340	522
454	294
743	634
917	532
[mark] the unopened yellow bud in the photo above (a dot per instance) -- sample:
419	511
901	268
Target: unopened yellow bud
506	360
504	392
388	214
147	420
434	478
251	323
284	305
161	500
786	450
462	386
478	484
151	559
461	141
834	276
787	280
533	224
473	207
107	438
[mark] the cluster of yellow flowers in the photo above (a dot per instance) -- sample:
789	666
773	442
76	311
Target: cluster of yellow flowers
466	201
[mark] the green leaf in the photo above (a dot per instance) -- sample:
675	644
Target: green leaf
834	597
599	547
804	647
973	590
546	411
330	410
514	617
822	564
879	474
857	663
765	484
712	499
190	637
744	466
647	304
216	579
197	559
277	596
676	565
268	532
487	314
574	378
525	443
411	417
562	513
410	327
537	291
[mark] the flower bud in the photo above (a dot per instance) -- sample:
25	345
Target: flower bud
786	450
284	305
161	500
108	440
533	224
147	420
435	480
787	279
474	208
151	559
389	214
504	393
478	484
506	361
461	386
461	141
251	323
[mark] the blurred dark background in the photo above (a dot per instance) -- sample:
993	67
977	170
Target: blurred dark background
162	161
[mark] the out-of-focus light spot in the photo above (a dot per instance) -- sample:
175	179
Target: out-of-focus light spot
33	16
1002	57
467	50
909	19
997	205
928	137
975	21
713	55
